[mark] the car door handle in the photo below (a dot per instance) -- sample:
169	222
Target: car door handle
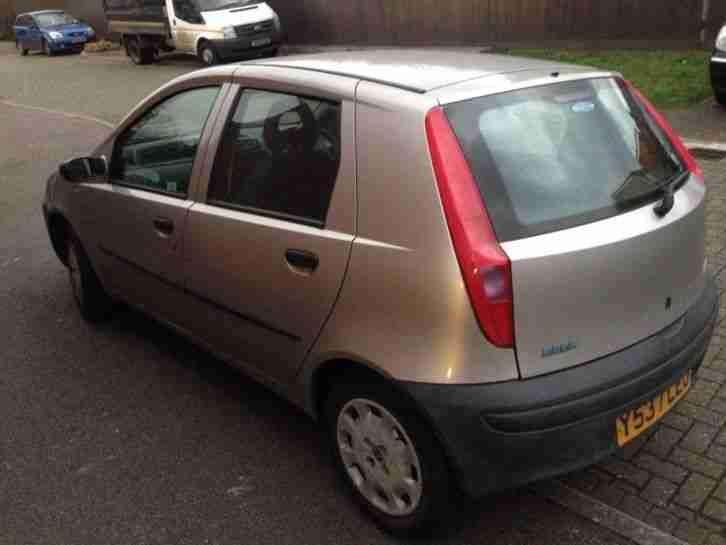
164	226
301	259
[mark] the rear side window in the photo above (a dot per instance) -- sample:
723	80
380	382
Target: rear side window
562	155
279	157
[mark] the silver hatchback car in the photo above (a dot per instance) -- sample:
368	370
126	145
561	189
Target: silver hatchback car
475	270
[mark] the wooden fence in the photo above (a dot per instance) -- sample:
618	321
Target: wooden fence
462	22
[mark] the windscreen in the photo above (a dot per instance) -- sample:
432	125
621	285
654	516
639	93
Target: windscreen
212	5
54	19
562	155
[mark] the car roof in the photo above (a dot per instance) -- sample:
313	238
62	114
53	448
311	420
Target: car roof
40	12
417	70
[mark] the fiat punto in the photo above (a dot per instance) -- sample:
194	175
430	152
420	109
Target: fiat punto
476	271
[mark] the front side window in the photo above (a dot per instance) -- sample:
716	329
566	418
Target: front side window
54	19
186	11
562	155
157	152
279	157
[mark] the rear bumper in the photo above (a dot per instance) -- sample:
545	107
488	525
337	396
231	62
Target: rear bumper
718	71
507	434
246	47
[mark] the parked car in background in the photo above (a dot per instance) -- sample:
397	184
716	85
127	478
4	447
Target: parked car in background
718	68
214	30
51	31
475	270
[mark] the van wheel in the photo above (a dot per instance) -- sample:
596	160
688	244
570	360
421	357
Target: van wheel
207	54
388	457
93	302
720	98
21	49
138	53
46	49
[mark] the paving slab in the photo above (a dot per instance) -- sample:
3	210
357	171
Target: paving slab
677	479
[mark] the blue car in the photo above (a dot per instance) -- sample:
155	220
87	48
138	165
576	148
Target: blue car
51	31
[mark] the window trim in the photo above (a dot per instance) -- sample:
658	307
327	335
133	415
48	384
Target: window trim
262	212
292	218
177	195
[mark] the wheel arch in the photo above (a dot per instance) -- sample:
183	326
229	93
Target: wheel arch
323	379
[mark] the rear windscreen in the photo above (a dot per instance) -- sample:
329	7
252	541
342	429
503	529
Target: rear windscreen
558	156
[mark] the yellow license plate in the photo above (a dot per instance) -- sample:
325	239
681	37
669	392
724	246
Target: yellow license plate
636	421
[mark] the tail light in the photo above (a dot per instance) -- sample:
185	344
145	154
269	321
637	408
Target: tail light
485	267
674	139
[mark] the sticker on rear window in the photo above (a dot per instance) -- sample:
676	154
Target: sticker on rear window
583	107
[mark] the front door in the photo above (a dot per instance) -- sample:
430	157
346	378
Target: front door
262	251
186	23
140	216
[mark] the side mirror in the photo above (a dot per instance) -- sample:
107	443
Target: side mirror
84	169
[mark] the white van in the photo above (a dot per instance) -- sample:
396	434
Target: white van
214	30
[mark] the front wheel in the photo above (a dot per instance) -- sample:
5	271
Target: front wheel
207	54
92	300
46	49
388	456
720	97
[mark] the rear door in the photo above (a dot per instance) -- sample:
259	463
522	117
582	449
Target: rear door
21	29
570	174
34	38
267	248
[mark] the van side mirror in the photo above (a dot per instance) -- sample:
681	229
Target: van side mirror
84	169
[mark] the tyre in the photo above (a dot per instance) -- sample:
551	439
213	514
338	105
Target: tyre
207	54
138	53
93	302
21	49
388	456
720	97
46	49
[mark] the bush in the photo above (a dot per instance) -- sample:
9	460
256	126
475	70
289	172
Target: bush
101	46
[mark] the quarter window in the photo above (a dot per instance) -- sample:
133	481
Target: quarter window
279	157
157	152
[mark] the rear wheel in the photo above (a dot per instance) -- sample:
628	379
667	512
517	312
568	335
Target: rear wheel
207	54
93	302
388	456
720	97
21	49
138	52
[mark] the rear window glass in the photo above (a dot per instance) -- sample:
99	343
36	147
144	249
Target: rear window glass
558	156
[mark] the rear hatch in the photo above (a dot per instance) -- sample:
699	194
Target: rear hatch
571	174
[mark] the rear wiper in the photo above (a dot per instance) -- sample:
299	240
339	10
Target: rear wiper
668	187
620	194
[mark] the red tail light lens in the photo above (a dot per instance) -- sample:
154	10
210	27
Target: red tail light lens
674	139
484	266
